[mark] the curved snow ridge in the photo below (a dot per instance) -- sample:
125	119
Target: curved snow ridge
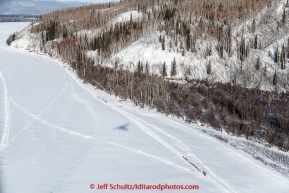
5	137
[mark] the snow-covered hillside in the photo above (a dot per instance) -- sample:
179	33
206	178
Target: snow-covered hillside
60	135
195	64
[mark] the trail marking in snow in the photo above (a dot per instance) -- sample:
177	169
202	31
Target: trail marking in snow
221	183
187	150
89	137
143	125
147	155
5	136
39	114
47	123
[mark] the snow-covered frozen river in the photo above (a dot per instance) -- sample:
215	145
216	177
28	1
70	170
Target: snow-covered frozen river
59	135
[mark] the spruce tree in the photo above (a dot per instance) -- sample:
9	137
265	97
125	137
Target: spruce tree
138	67
275	78
42	39
283	21
254	26
164	71
147	68
283	58
130	20
188	40
247	50
242	50
189	71
163	43
181	46
265	72
221	51
141	67
174	68
193	44
235	78
256	42
276	55
115	65
210	51
209	69
230	47
258	65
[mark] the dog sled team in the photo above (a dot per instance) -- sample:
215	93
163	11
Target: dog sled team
205	173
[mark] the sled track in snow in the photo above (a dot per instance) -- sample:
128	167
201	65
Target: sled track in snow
89	137
186	150
45	122
183	149
5	137
39	114
146	127
218	181
147	155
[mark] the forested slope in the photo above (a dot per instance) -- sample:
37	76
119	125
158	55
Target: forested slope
221	62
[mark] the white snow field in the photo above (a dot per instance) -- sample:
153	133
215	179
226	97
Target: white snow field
59	135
